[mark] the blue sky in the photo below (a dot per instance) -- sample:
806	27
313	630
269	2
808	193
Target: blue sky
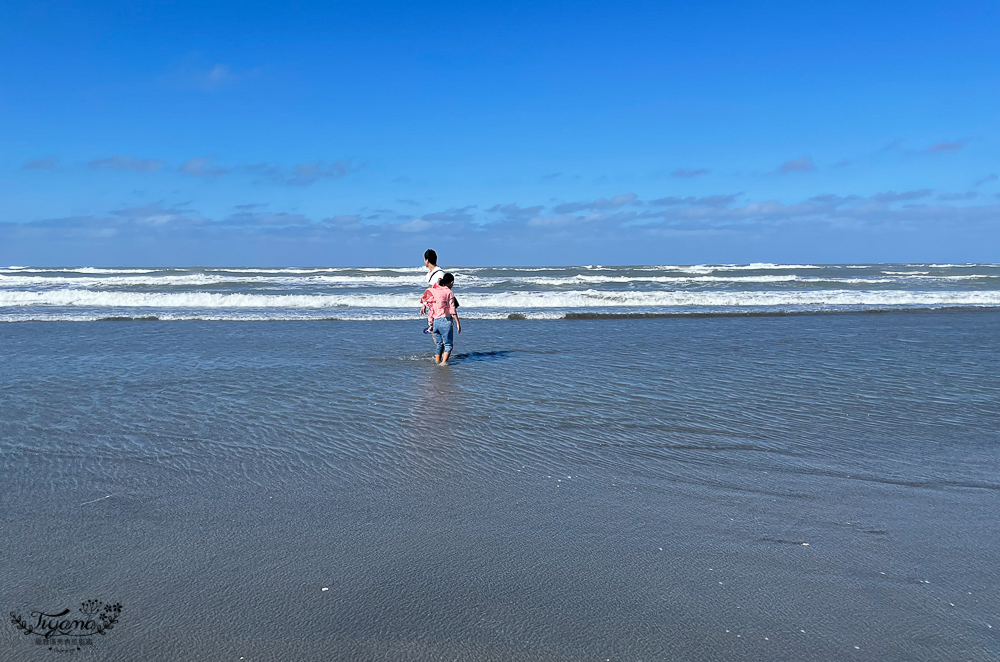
360	133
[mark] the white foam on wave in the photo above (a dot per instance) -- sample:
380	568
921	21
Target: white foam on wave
350	315
952	266
95	270
283	270
531	269
581	279
966	277
503	301
313	270
759	266
709	299
235	270
80	297
894	279
464	280
712	268
687	279
86	281
196	279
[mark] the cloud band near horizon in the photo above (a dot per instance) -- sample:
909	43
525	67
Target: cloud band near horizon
568	232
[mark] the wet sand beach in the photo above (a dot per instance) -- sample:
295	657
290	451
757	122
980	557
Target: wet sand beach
787	488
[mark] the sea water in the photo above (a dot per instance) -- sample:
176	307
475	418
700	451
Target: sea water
714	486
81	294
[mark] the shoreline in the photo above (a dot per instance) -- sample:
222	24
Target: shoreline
568	316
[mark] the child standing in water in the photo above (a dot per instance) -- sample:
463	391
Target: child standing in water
442	315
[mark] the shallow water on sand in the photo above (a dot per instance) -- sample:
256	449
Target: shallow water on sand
819	488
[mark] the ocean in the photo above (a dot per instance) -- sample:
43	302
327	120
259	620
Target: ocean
83	294
756	462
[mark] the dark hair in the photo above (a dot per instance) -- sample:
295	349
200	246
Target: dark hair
447	280
431	256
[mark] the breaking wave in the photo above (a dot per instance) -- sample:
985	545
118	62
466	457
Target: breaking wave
383	293
519	300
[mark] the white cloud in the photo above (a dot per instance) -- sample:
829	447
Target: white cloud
887	216
156	213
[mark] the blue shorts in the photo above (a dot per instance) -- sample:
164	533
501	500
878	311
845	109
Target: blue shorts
444	333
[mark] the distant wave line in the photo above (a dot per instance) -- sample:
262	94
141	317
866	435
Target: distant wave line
464	280
508	300
355	315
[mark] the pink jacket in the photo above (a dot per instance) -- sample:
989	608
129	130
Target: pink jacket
440	302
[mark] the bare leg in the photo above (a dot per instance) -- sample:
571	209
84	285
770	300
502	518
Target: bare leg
444	358
437	358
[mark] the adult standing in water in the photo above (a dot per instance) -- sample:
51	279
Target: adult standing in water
434	272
